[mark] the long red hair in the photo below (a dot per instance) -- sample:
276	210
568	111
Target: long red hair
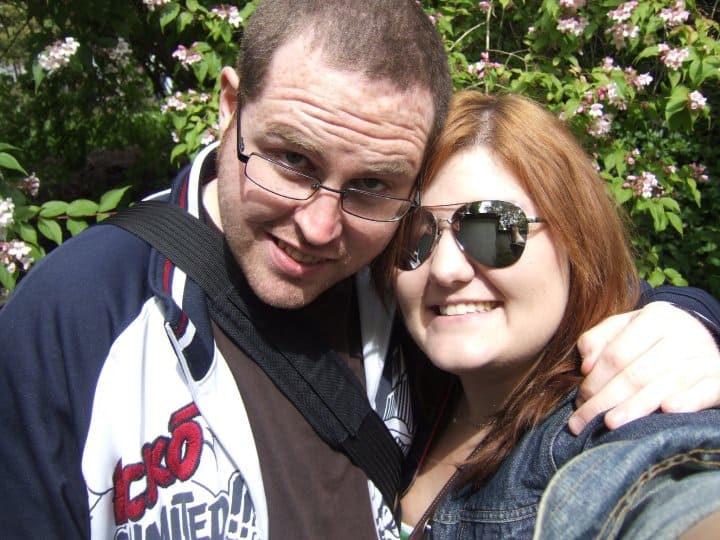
564	184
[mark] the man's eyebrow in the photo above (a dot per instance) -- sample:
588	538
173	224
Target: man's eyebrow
398	167
293	137
390	168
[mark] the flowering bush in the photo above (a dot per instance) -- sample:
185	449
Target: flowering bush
637	81
23	225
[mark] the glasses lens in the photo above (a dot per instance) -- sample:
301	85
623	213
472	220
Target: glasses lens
373	206
278	178
493	233
417	237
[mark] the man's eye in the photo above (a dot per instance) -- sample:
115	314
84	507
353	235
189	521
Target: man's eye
295	160
369	184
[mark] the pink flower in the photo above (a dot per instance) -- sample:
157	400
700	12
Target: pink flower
572	25
646	185
479	68
14	252
596	110
620	33
641	81
208	137
174	103
676	15
600	126
30	185
623	12
7	207
187	56
672	58
697	100
152	4
58	54
229	13
572	5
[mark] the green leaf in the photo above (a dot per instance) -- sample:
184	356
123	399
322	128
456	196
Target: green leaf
111	199
200	69
51	230
38	75
670	204
696	72
53	209
675	221
82	208
677	101
660	221
648	52
7	161
179	150
192	5
674	78
25	213
7	279
657	277
184	20
675	277
76	226
168	14
27	233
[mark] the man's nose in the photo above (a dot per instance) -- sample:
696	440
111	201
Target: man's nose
319	218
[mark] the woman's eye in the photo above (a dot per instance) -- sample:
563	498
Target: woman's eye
369	184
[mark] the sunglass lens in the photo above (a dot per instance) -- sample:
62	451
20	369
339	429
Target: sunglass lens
418	236
494	237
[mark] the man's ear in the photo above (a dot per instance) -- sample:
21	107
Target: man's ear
229	82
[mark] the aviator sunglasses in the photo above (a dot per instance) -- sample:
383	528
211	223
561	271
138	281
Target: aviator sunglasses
493	233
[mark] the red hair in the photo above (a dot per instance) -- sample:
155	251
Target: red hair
567	191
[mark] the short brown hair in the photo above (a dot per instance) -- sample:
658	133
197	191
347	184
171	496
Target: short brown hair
563	183
388	40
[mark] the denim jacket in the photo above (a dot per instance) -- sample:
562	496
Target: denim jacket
651	478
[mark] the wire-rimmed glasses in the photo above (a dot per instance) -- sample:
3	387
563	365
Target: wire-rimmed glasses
280	179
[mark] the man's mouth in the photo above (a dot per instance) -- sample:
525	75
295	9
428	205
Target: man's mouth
298	256
468	307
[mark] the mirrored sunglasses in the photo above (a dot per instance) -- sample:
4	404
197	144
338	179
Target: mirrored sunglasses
493	233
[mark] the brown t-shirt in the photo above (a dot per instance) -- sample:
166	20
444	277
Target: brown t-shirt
313	492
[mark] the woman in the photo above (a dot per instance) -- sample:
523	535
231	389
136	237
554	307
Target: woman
516	251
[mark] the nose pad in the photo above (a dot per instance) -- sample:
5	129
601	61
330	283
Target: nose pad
319	218
448	263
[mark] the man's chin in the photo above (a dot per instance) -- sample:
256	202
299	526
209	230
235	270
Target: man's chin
286	296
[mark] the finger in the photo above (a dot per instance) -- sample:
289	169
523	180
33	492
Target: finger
703	395
629	392
637	335
593	341
640	401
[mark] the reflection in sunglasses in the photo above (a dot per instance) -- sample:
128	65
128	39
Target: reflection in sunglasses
493	233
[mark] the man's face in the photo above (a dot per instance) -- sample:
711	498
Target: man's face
340	127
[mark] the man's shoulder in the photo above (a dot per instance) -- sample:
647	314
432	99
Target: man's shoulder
98	261
94	284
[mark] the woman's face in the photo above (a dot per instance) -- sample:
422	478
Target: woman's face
465	315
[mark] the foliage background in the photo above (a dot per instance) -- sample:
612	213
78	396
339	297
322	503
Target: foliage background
135	99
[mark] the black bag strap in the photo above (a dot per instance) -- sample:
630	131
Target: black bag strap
315	379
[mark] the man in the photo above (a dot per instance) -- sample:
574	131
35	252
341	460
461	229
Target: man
128	413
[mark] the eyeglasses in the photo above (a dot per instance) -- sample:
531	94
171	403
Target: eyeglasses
278	178
493	233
